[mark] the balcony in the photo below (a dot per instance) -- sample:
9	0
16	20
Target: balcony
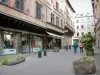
70	29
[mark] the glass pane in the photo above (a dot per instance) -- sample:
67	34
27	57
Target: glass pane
17	4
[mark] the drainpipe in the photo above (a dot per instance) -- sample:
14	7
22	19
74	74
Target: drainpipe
29	43
46	29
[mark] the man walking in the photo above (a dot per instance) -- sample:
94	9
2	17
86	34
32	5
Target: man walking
75	45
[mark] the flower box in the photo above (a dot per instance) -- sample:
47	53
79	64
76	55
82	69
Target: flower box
84	65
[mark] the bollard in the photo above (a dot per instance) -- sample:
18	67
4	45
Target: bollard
45	52
39	53
70	47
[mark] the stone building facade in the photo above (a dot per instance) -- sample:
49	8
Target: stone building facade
30	25
83	24
96	11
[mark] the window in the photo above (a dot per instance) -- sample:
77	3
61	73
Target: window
88	20
82	26
61	11
19	4
61	23
82	33
77	34
38	10
82	20
57	21
57	6
77	21
77	27
97	1
52	18
4	1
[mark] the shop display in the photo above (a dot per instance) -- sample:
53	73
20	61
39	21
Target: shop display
8	42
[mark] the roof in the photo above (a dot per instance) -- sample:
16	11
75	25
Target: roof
69	4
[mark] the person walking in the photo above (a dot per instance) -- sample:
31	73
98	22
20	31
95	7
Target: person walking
81	47
75	45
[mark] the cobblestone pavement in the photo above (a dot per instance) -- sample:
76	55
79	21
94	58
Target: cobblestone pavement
56	63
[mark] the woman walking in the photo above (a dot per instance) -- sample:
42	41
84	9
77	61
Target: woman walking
81	47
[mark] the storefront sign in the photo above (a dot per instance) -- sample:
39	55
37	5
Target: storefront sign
9	51
35	49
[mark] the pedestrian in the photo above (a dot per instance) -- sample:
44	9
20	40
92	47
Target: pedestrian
75	45
81	47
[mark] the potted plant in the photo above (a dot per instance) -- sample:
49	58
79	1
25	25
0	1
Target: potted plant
56	48
88	42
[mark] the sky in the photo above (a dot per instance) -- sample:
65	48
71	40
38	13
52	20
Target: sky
82	6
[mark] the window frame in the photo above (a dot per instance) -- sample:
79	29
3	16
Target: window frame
77	27
82	26
4	2
20	5
77	34
57	21
38	10
77	21
57	6
82	33
61	23
52	18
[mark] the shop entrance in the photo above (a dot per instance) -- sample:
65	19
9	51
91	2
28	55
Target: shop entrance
52	42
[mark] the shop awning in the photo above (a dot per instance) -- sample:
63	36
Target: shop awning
54	35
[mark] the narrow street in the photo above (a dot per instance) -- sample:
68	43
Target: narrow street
59	63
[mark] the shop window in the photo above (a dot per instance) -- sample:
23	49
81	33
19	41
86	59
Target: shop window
9	40
19	4
37	43
25	39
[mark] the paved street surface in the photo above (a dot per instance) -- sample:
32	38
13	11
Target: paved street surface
56	63
97	59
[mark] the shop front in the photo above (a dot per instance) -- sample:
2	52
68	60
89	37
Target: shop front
53	40
19	36
19	42
10	42
31	43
